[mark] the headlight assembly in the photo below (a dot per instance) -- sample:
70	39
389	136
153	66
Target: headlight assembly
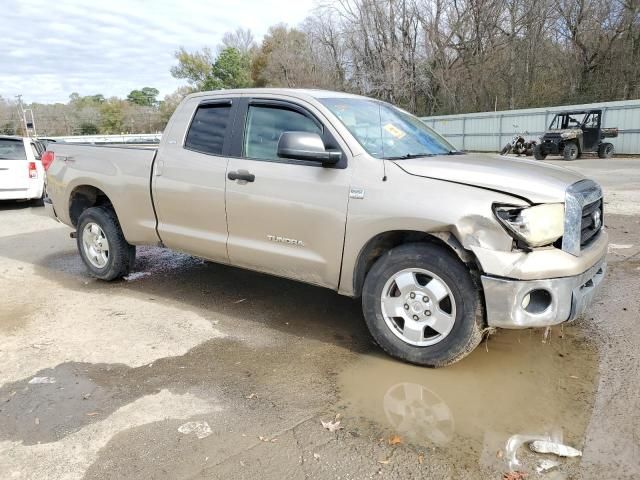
536	226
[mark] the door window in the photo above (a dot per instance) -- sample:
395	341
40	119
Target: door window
208	128
265	125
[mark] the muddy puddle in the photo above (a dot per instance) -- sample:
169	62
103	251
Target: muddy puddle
482	408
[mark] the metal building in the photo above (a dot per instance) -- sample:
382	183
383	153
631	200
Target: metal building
490	131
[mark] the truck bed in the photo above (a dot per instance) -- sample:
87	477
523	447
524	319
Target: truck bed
121	173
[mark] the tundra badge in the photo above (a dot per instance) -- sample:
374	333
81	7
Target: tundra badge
290	241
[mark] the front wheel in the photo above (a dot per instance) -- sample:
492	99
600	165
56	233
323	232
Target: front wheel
421	305
570	151
539	153
506	149
102	245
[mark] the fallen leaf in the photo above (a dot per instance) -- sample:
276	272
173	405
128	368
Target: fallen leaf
384	462
37	421
499	454
515	475
316	456
395	440
331	426
92	414
253	395
420	458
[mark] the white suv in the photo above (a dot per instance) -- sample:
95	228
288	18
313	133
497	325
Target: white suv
21	171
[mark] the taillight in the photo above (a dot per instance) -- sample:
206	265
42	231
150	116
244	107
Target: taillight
33	171
47	159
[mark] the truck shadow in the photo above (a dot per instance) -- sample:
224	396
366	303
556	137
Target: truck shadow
209	289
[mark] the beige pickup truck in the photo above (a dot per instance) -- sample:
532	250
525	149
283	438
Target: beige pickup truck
348	193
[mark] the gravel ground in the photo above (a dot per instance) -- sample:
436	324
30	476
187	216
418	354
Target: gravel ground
191	370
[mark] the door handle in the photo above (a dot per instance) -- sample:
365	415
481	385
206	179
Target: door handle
241	175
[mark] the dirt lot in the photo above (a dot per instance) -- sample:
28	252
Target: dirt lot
191	370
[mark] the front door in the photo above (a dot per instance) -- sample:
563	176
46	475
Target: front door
189	179
285	217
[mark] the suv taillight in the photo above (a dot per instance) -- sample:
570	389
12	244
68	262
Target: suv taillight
47	159
33	171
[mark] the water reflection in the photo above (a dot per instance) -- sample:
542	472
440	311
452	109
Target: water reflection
413	408
486	405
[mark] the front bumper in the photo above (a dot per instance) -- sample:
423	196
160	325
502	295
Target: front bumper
563	299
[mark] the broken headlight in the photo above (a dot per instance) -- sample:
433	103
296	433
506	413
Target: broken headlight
536	226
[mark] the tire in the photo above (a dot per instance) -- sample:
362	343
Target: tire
538	153
606	150
120	255
506	149
528	152
570	151
462	300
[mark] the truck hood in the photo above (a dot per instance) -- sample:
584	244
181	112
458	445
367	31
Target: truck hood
535	181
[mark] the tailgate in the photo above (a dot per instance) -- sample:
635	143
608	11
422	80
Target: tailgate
14	169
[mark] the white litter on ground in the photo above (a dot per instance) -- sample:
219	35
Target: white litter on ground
543	446
136	276
35	380
545	466
200	429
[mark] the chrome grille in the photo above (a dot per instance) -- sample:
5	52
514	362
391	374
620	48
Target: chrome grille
582	200
592	221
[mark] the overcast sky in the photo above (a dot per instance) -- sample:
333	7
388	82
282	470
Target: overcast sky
50	49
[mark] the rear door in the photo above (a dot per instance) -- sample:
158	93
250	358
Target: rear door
14	171
591	131
189	179
290	219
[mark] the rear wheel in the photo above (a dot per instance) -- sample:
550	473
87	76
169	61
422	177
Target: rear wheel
539	153
570	151
102	245
421	305
606	150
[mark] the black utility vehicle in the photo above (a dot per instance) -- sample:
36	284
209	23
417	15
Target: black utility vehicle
573	133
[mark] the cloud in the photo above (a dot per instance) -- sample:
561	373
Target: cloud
51	50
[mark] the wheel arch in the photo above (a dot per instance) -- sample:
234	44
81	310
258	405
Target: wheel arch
385	241
86	196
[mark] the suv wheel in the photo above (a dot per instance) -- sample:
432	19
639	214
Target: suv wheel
539	153
421	305
102	245
606	150
570	151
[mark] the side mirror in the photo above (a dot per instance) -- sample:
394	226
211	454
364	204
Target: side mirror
306	146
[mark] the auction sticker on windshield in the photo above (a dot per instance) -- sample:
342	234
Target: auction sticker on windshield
395	131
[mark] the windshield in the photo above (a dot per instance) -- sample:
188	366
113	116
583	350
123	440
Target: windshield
571	120
385	131
12	149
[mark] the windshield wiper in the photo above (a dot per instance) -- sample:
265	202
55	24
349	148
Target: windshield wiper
410	155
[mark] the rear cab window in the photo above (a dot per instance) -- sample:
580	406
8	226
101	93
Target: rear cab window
208	128
12	149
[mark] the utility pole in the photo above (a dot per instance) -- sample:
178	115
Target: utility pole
27	125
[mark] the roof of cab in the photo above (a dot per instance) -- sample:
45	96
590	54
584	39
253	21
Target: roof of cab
290	92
